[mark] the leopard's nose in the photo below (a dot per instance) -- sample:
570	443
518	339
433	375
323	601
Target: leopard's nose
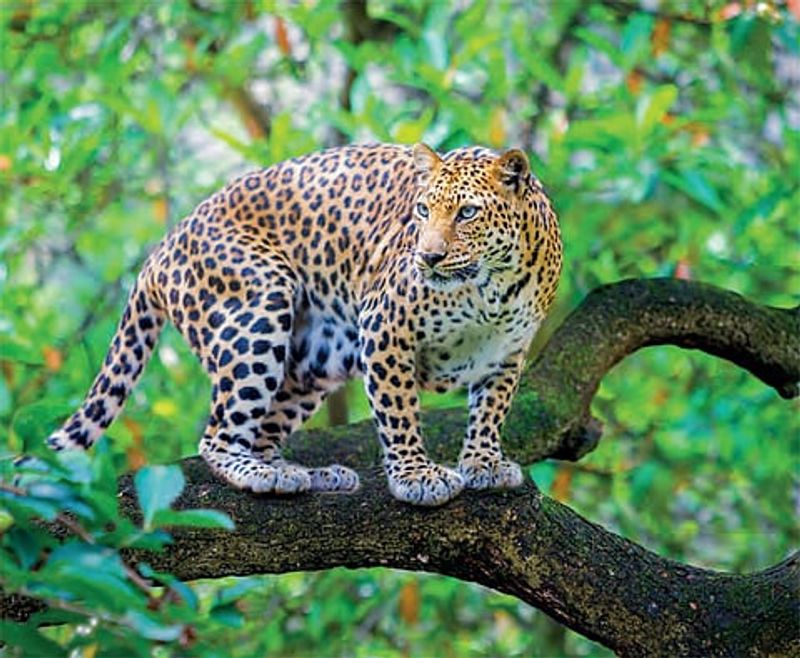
430	258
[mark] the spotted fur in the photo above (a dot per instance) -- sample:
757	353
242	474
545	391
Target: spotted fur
412	270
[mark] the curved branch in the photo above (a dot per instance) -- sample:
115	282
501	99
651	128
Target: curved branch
517	542
551	414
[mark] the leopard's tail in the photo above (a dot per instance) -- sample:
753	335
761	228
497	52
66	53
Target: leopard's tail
130	349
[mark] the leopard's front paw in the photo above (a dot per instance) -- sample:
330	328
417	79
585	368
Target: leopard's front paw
490	474
429	484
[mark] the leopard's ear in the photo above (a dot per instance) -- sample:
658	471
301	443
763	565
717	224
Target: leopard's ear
426	161
512	168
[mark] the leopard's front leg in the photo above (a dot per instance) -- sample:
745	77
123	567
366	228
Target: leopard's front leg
482	463
390	380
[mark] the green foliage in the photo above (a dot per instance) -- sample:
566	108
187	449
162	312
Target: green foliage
85	579
667	134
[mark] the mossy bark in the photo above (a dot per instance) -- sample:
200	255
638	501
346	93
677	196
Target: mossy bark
518	542
521	542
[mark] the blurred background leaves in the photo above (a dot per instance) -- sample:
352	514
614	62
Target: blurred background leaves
667	133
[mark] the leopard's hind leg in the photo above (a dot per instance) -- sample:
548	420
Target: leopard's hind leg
234	304
244	340
247	362
292	405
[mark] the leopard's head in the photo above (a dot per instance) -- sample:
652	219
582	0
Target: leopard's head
471	206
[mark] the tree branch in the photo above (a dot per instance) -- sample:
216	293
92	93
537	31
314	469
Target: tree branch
551	415
518	542
521	542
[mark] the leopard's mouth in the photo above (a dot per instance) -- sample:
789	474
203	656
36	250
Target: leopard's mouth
438	277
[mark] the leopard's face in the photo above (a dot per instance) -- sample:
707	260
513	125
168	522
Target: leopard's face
470	209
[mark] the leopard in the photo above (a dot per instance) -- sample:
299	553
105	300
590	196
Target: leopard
413	270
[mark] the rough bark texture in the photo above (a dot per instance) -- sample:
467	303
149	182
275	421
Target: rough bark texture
521	542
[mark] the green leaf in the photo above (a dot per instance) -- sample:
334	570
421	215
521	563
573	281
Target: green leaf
97	589
763	208
104	475
50	490
15	349
105	506
125	534
412	130
642	480
248	151
654	106
600	43
695	185
157	488
636	38
230	594
6	399
6	520
179	587
543	474
77	464
91	558
25	507
607	131
30	640
196	518
53	616
25	544
227	615
148	627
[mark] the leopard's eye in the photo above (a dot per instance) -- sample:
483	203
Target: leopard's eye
467	212
422	210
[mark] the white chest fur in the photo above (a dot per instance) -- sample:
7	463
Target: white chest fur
467	353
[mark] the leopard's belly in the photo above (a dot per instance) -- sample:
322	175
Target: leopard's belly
325	347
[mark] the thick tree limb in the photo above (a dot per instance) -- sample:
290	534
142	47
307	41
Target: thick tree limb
521	542
551	415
